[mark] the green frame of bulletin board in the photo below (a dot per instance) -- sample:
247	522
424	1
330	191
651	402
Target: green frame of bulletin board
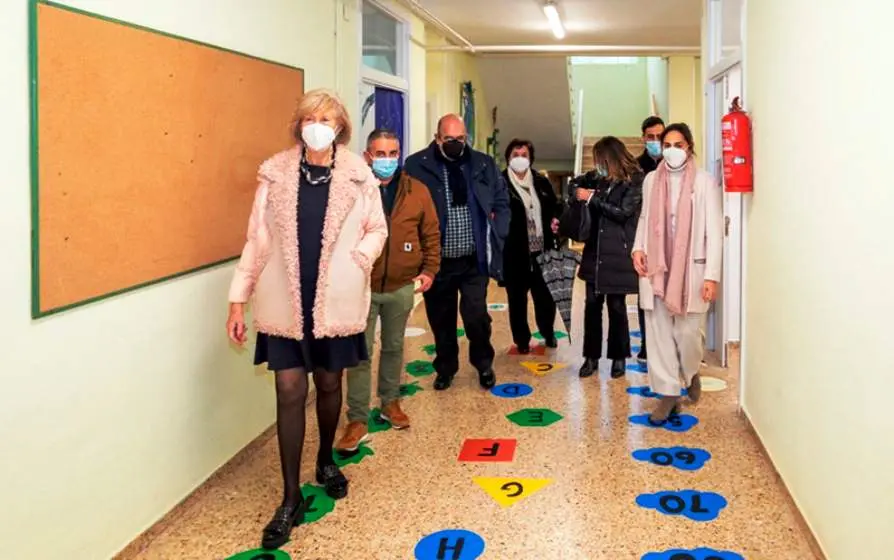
36	312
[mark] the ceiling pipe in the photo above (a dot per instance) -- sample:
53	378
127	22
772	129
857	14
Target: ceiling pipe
571	49
462	44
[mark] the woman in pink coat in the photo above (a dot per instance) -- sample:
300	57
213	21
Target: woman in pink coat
315	230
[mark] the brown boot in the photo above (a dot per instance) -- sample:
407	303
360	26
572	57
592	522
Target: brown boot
393	414
666	407
695	388
355	434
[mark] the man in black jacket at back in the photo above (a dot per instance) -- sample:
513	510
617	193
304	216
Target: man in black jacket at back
652	129
473	209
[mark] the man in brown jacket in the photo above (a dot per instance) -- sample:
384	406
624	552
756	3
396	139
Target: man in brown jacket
407	266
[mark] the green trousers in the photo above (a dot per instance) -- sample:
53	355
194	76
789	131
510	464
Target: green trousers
393	309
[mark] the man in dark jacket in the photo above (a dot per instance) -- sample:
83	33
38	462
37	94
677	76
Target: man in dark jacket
473	210
652	129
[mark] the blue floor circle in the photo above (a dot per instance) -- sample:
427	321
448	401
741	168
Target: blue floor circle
512	390
455	544
677	423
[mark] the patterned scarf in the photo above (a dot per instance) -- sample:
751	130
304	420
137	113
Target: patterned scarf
525	190
670	280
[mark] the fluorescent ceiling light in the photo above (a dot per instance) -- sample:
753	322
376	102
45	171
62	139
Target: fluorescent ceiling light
552	14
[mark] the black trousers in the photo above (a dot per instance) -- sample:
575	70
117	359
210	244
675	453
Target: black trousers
544	307
642	325
459	284
618	327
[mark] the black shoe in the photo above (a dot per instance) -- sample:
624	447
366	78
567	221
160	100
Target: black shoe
589	367
642	355
618	368
526	349
278	531
443	382
335	482
487	378
551	342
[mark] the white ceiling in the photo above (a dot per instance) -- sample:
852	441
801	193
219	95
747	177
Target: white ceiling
673	23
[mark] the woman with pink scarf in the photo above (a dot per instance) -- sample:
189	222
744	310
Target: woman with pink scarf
677	254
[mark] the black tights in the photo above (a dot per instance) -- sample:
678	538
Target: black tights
291	397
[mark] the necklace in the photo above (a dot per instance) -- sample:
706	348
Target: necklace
308	173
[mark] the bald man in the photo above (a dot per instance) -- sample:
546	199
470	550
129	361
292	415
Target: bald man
473	209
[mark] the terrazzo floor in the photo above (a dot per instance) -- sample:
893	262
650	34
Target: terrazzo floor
410	484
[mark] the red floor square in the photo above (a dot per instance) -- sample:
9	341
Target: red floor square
488	450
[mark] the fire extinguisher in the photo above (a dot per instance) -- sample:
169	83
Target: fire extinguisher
737	164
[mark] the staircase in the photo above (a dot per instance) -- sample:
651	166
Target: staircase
634	144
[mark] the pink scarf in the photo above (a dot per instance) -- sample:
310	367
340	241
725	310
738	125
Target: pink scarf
670	281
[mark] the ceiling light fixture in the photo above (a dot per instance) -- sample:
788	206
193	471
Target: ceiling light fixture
552	14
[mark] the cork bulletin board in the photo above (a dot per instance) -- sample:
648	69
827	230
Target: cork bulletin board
145	150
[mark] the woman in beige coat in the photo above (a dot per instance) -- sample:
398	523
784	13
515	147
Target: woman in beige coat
315	230
677	254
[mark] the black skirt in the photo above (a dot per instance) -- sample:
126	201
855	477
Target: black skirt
329	354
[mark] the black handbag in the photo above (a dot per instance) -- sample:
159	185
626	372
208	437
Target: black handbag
576	222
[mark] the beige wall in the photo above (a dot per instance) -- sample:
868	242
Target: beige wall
685	95
445	72
817	352
112	413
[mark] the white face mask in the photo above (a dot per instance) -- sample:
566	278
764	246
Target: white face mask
318	136
519	164
675	157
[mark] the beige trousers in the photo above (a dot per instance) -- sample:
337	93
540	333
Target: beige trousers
676	348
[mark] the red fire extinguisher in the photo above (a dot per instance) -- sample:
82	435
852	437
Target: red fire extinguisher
737	165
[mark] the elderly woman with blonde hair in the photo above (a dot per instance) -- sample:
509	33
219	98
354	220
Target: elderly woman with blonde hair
315	230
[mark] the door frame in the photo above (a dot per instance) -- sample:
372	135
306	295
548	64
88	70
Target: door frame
725	323
716	67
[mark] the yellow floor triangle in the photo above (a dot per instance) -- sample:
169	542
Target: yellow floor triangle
543	368
509	491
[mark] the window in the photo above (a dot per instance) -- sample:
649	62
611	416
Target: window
604	60
382	41
731	28
724	30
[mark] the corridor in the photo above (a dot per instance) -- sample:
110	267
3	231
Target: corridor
571	490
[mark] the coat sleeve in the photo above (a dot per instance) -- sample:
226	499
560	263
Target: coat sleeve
639	243
429	234
631	203
714	230
501	210
256	251
375	227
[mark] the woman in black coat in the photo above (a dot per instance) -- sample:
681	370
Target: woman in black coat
614	191
532	227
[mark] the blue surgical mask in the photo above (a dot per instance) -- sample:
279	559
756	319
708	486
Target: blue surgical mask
384	168
654	148
600	171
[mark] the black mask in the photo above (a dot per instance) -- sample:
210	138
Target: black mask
453	149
